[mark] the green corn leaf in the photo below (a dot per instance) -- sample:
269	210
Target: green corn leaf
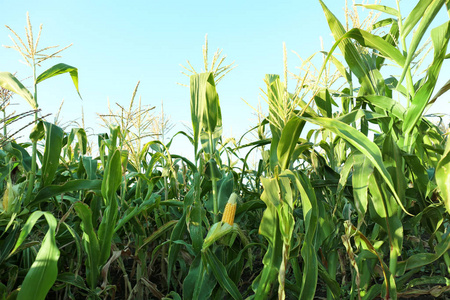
443	176
440	37
363	169
381	8
270	229
193	279
112	177
288	141
106	230
220	273
53	144
70	186
367	39
363	144
42	274
11	83
177	234
72	279
148	205
387	104
161	230
427	17
60	69
308	251
414	16
441	91
80	133
423	259
205	108
355	61
385	212
90	244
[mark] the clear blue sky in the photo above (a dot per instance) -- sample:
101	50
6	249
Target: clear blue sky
117	43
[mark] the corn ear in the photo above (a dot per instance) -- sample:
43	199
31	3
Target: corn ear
230	210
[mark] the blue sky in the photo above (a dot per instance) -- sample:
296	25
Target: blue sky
118	44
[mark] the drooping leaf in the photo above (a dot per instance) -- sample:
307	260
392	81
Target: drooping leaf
60	69
363	144
11	83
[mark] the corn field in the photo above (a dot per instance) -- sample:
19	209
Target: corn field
348	197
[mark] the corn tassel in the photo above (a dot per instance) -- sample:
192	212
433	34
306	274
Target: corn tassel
230	210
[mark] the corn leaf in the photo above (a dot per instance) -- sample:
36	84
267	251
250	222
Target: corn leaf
90	243
352	56
427	17
42	273
440	37
70	186
362	143
11	83
53	145
387	104
363	169
220	273
60	69
443	176
288	141
414	16
381	8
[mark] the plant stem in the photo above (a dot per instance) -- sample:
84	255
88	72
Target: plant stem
393	262
34	145
214	181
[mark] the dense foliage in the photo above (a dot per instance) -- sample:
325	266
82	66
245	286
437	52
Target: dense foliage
357	207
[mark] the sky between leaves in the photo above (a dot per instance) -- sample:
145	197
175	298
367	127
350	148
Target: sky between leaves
116	44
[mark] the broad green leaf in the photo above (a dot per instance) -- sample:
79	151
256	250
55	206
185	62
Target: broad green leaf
363	144
427	17
363	169
385	212
112	177
423	259
367	39
414	16
308	251
80	133
443	176
42	274
387	104
270	229
90	165
381	8
177	234
367	78
157	233
11	83
70	186
150	204
198	284
53	144
279	105
205	107
72	279
288	141
90	243
106	230
221	273
440	37
60	69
